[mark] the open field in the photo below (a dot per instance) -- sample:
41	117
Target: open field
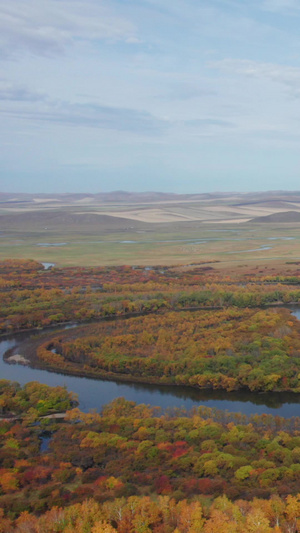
149	229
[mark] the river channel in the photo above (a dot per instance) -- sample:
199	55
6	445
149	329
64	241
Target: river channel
94	393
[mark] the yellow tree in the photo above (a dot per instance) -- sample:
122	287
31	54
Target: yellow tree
257	522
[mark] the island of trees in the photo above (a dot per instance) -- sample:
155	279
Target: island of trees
196	326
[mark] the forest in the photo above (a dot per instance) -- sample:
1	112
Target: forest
229	349
135	468
197	326
32	297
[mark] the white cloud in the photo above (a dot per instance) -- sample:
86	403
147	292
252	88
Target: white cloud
81	115
209	122
47	27
18	93
284	74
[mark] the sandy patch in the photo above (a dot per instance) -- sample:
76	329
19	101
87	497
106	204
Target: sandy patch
43	200
230	221
150	215
250	211
55	416
86	200
18	358
159	215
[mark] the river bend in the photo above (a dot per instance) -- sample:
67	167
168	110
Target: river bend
94	393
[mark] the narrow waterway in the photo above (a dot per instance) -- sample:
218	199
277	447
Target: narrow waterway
93	394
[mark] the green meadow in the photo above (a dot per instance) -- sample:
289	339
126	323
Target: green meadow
160	244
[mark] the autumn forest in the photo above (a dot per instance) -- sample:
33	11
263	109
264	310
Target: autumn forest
136	468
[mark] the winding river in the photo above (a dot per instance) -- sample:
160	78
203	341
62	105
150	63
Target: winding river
93	393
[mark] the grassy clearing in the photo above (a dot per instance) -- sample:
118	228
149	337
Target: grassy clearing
85	250
101	240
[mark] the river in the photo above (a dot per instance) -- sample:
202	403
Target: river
93	393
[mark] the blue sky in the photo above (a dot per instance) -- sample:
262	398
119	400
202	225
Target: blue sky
173	95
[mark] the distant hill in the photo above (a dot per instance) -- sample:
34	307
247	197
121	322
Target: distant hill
55	220
104	197
284	216
136	210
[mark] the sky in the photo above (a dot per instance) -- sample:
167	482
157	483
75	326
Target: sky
149	95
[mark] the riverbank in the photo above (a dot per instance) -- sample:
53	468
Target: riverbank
47	351
71	324
10	417
95	391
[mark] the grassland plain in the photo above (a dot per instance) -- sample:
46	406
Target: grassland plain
89	232
163	245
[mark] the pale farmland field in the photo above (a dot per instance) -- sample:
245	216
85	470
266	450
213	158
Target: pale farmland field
151	229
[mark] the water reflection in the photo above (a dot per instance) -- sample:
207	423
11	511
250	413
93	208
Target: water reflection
93	394
48	265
